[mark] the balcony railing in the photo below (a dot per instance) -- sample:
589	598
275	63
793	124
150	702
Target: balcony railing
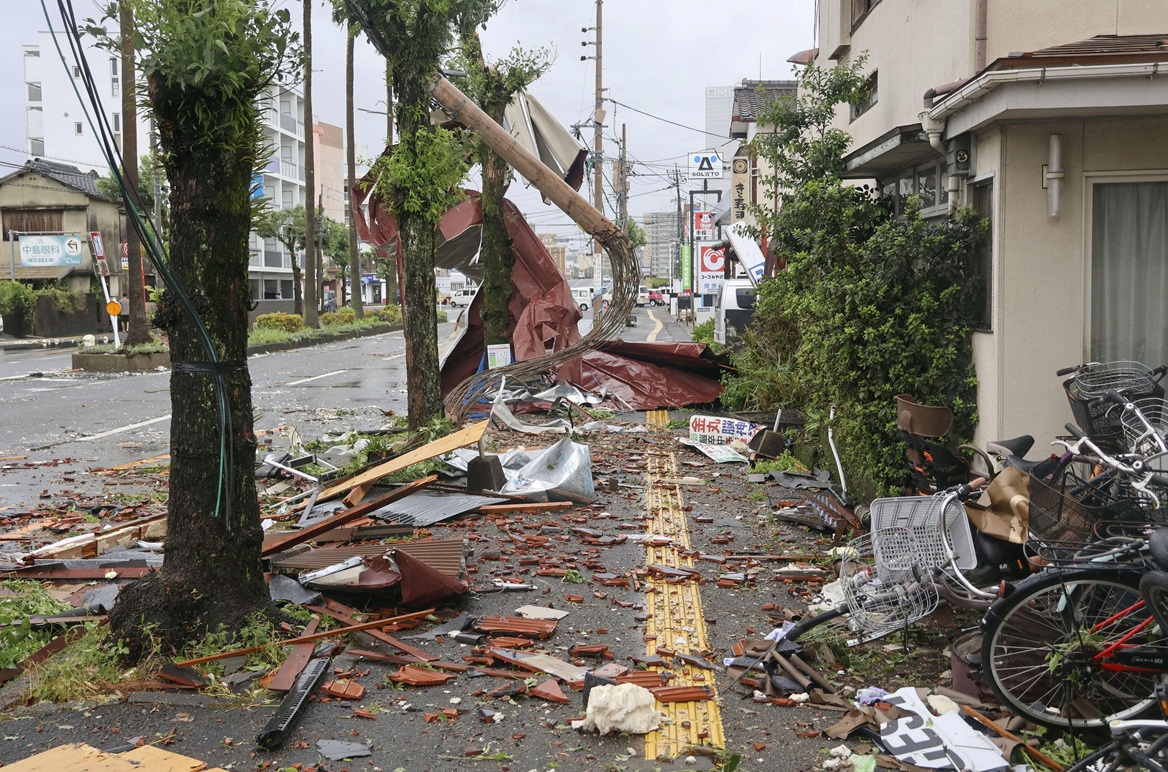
289	169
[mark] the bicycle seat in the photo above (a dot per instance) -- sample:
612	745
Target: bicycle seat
1158	543
1023	464
1019	446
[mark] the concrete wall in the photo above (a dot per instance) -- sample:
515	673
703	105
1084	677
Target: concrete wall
1042	264
1034	24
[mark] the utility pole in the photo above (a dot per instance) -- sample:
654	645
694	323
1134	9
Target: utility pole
598	137
311	281
358	283
137	332
680	223
622	190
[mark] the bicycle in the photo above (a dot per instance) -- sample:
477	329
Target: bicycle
1086	641
1139	745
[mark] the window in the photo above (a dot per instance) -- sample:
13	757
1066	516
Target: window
982	200
1129	270
76	71
117	121
78	129
860	9
36	146
925	180
115	75
34	92
865	104
33	220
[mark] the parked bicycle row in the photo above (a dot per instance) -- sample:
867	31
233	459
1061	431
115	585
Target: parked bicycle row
1067	555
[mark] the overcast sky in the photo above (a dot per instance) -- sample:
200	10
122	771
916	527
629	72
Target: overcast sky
659	57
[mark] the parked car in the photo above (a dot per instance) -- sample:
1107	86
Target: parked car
657	298
643	297
733	310
583	297
463	297
329	302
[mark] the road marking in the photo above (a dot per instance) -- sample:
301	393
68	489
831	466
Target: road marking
315	378
675	619
390	359
660	326
121	429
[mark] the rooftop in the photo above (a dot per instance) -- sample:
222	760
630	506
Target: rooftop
751	96
69	176
1101	49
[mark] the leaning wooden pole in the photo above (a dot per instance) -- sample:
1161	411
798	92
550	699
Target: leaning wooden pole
626	272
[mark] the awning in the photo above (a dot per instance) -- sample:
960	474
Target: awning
901	147
27	273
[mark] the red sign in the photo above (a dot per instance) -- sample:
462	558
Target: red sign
703	224
711	260
125	249
98	249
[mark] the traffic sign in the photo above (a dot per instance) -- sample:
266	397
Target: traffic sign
705	164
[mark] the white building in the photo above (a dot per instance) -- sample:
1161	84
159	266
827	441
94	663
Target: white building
57	128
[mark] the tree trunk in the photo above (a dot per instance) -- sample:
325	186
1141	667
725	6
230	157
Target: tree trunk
498	254
311	276
297	284
212	574
423	387
392	285
351	172
139	331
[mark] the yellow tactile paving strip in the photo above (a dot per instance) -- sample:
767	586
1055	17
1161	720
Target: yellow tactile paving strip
675	616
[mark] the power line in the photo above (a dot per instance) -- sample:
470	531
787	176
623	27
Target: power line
666	120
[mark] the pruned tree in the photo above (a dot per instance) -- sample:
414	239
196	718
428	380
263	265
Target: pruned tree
205	63
420	179
286	226
493	86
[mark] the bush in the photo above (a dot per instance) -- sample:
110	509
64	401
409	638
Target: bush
704	332
347	312
391	314
280	321
442	317
17	301
332	319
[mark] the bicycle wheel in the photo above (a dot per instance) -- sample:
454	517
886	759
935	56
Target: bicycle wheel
829	626
1154	588
1041	641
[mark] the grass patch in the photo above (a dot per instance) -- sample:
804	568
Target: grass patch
21	600
784	463
153	347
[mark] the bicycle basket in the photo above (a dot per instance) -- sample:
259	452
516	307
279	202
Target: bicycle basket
1094	380
922	516
884	584
1062	526
1147	437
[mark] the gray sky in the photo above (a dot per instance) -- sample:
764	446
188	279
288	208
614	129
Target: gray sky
659	56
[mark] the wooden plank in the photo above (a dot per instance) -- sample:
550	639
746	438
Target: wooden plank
132	464
305	638
341	518
89	545
459	439
419	654
159	760
74	757
285	677
355	495
534	506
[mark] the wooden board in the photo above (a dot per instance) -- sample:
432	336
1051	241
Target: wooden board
90	545
158	760
74	757
463	437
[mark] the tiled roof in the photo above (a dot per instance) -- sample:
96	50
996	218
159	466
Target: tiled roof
1101	49
752	95
67	175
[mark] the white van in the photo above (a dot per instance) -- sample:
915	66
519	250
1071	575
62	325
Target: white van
463	297
733	309
583	297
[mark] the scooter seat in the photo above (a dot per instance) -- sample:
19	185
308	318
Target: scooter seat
1018	446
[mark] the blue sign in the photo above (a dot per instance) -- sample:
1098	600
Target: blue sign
50	251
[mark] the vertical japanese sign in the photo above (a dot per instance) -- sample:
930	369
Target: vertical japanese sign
686	268
739	187
98	250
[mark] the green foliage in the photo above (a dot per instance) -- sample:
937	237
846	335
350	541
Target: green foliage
704	332
284	225
784	463
869	305
330	319
61	300
391	314
424	171
150	171
17	300
280	321
21	600
85	668
635	233
343	315
442	317
207	61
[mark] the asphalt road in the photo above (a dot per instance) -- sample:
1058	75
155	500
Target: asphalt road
75	421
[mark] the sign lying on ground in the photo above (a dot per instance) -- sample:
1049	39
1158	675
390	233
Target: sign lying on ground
714	430
50	251
723	454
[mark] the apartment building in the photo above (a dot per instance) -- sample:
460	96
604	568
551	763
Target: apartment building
57	128
1049	118
662	243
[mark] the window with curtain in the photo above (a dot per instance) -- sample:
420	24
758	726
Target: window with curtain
1129	272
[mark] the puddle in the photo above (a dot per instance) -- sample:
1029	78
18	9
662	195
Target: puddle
345	385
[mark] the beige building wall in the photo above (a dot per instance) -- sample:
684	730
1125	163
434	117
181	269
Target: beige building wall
330	169
1012	25
1041	270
